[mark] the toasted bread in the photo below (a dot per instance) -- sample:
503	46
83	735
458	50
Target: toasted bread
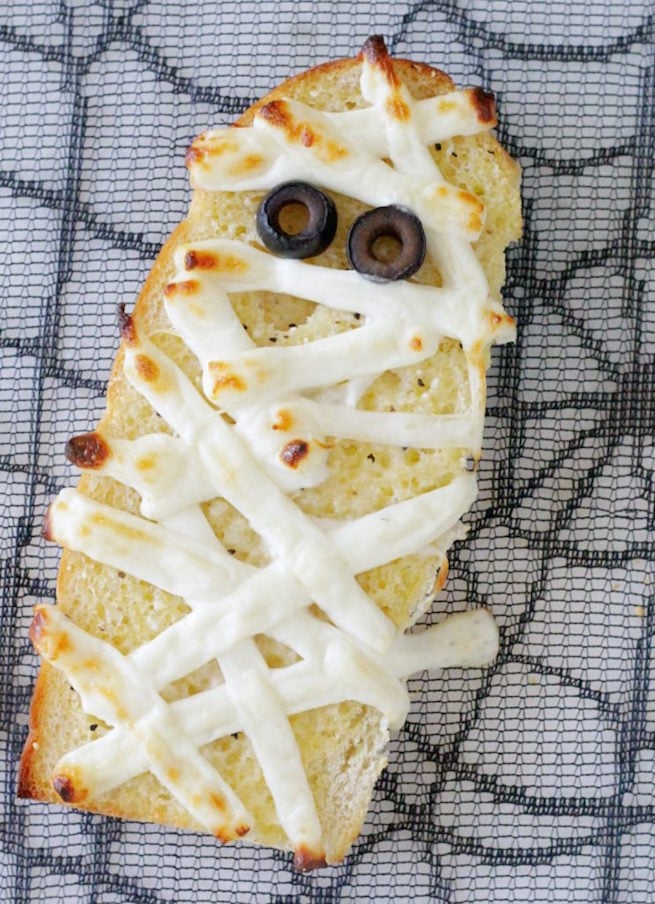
111	603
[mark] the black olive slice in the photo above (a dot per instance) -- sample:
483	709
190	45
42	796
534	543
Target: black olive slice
317	233
386	243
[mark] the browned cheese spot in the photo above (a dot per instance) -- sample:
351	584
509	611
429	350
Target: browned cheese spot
277	113
195	154
218	801
485	105
396	107
376	54
476	210
146	368
474	223
294	452
215	145
471	200
416	343
46	530
442	576
241	830
39	627
307	137
206	146
224	835
49	645
90	450
497	319
283	421
59	644
204	260
246	164
64	788
207	260
126	326
125	530
305	860
216	148
185	287
223	379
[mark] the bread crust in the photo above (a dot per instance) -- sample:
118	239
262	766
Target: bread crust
56	720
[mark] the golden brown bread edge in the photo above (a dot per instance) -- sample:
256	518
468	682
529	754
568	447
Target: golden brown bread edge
342	746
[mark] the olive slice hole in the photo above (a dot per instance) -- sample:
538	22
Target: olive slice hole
293	218
386	248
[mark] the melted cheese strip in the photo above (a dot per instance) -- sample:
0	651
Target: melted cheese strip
465	640
168	559
454	257
115	691
315	150
344	665
436	119
301	546
359	656
231	266
199	308
348	673
153	465
261	598
264	719
266	373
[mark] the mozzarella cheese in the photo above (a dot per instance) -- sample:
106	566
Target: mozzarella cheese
249	460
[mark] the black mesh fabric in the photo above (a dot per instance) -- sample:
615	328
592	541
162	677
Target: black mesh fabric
530	781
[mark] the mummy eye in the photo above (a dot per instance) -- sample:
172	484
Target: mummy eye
386	243
296	220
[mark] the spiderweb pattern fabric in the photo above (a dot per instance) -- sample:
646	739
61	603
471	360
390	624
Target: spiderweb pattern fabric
532	780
